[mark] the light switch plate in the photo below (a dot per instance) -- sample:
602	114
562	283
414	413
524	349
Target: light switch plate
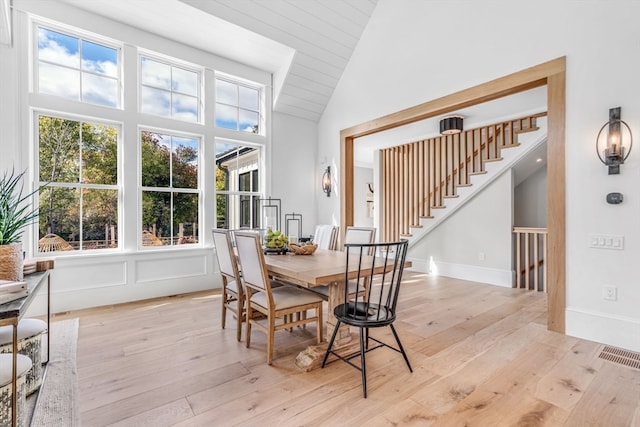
606	241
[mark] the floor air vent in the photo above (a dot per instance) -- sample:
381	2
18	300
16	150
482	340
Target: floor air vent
621	356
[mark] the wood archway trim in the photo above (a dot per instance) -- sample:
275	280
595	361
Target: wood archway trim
551	74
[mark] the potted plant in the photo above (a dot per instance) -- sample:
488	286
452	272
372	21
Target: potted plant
15	214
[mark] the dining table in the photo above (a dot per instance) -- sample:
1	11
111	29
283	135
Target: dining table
323	267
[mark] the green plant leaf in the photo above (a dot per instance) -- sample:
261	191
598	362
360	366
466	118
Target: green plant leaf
15	208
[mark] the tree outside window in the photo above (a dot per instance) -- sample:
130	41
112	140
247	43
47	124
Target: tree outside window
170	194
78	162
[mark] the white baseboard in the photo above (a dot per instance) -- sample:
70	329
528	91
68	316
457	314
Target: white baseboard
605	328
492	276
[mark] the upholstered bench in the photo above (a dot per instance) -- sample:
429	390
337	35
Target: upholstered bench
29	343
6	370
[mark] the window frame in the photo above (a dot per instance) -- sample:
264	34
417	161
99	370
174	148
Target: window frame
130	120
240	83
80	185
170	189
172	63
81	35
254	193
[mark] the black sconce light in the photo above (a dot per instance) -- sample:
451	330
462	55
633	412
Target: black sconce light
451	125
326	181
613	154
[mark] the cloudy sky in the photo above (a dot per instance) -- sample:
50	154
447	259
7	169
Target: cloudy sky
77	69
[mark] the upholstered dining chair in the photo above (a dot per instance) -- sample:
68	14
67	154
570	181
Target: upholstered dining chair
376	306
326	237
352	235
232	290
277	304
360	235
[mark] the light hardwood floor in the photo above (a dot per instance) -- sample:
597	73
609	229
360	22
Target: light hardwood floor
481	356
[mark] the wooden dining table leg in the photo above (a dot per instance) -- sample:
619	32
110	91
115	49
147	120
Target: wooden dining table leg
312	356
336	297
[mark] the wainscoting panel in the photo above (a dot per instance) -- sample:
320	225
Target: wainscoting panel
175	267
70	276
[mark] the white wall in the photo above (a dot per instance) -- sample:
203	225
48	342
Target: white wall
94	279
409	54
361	177
530	201
293	166
475	241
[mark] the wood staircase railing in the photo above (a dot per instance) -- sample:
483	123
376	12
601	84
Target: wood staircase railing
531	253
417	177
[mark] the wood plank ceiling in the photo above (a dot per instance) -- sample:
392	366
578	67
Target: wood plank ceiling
305	44
323	34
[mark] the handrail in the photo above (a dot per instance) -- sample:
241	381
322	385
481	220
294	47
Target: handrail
418	176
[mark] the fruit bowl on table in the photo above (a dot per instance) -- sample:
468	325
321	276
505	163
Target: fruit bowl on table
275	242
308	249
281	250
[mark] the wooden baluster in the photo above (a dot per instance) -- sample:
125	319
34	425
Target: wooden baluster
446	146
468	155
518	260
544	260
421	176
476	150
536	260
383	193
429	182
417	183
527	257
512	134
439	180
396	178
436	171
493	147
452	165
405	191
399	197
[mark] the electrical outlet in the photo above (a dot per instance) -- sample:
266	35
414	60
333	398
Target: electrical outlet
610	293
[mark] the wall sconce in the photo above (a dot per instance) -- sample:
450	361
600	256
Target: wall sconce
451	125
613	154
326	181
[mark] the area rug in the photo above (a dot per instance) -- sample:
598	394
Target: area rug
55	402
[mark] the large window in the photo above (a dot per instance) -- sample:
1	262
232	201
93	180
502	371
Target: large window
153	141
169	91
169	173
237	106
78	69
79	171
237	189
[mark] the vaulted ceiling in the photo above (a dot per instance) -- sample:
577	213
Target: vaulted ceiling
305	44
